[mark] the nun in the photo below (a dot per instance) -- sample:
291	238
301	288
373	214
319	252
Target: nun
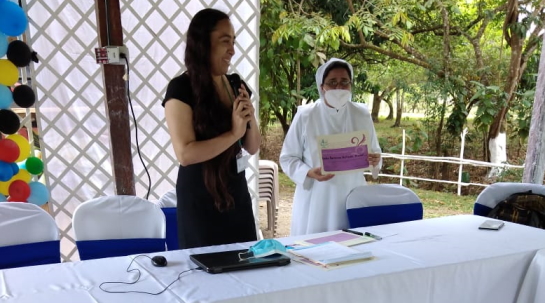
319	199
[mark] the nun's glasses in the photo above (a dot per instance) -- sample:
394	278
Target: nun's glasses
335	83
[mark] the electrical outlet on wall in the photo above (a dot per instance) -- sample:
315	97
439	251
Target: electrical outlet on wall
111	54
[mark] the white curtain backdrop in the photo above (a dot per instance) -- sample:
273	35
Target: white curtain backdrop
71	112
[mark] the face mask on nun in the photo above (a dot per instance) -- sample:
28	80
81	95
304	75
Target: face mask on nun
337	98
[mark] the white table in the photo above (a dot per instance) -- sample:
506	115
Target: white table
435	260
533	286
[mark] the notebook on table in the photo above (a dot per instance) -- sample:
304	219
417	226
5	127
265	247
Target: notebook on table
225	261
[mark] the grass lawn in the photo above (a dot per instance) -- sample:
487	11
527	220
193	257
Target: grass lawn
439	204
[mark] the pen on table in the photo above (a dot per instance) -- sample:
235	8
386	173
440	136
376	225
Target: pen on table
373	236
353	232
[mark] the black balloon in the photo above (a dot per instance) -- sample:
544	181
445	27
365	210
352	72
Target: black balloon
9	122
24	96
19	53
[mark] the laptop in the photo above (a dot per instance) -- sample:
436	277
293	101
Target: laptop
225	261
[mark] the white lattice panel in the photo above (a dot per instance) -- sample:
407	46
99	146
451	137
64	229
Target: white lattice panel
156	45
71	112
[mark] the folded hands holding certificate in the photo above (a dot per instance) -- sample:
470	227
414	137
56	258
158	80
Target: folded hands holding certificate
347	152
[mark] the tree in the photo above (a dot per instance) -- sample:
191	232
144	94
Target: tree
290	52
534	166
458	44
522	46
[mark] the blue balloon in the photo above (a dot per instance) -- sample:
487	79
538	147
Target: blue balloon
3	44
39	194
13	20
2	197
6	172
22	164
6	97
15	168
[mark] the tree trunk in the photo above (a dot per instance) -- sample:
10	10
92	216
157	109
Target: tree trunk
399	107
438	141
497	138
283	121
446	68
534	166
390	109
376	106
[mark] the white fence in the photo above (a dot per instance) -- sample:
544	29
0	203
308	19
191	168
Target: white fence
460	161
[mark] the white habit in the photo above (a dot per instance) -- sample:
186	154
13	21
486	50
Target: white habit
320	206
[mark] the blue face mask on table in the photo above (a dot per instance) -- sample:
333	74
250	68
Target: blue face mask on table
263	248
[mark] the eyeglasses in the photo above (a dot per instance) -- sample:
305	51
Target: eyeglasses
335	83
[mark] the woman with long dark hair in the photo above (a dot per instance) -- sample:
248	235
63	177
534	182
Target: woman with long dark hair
212	127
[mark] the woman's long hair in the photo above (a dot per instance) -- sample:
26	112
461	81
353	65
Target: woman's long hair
210	117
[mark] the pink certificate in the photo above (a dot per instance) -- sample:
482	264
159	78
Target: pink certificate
346	152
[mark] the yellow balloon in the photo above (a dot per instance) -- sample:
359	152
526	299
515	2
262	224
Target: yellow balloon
4	186
8	73
24	146
23	175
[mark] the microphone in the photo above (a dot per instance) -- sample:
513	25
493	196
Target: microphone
236	83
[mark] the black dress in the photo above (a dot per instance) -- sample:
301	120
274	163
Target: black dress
199	222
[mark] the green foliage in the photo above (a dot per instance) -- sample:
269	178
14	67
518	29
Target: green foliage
510	175
415	138
404	47
521	110
490	100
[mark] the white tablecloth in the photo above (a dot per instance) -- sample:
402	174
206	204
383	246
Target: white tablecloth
533	287
435	260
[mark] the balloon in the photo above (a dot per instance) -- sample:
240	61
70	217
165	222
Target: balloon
38	193
19	190
9	74
4	186
3	198
6	172
14	168
24	96
22	165
9	121
19	53
23	144
34	165
13	20
22	175
9	151
6	98
3	45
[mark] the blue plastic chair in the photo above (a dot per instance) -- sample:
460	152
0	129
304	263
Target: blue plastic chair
118	226
378	204
29	236
497	192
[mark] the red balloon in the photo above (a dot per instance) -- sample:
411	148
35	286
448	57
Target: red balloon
13	200
19	190
9	150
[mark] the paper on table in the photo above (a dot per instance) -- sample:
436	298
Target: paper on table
344	238
342	153
330	253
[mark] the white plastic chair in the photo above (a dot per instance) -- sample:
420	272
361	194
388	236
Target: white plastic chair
377	204
497	192
117	226
29	236
269	191
168	204
167	200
